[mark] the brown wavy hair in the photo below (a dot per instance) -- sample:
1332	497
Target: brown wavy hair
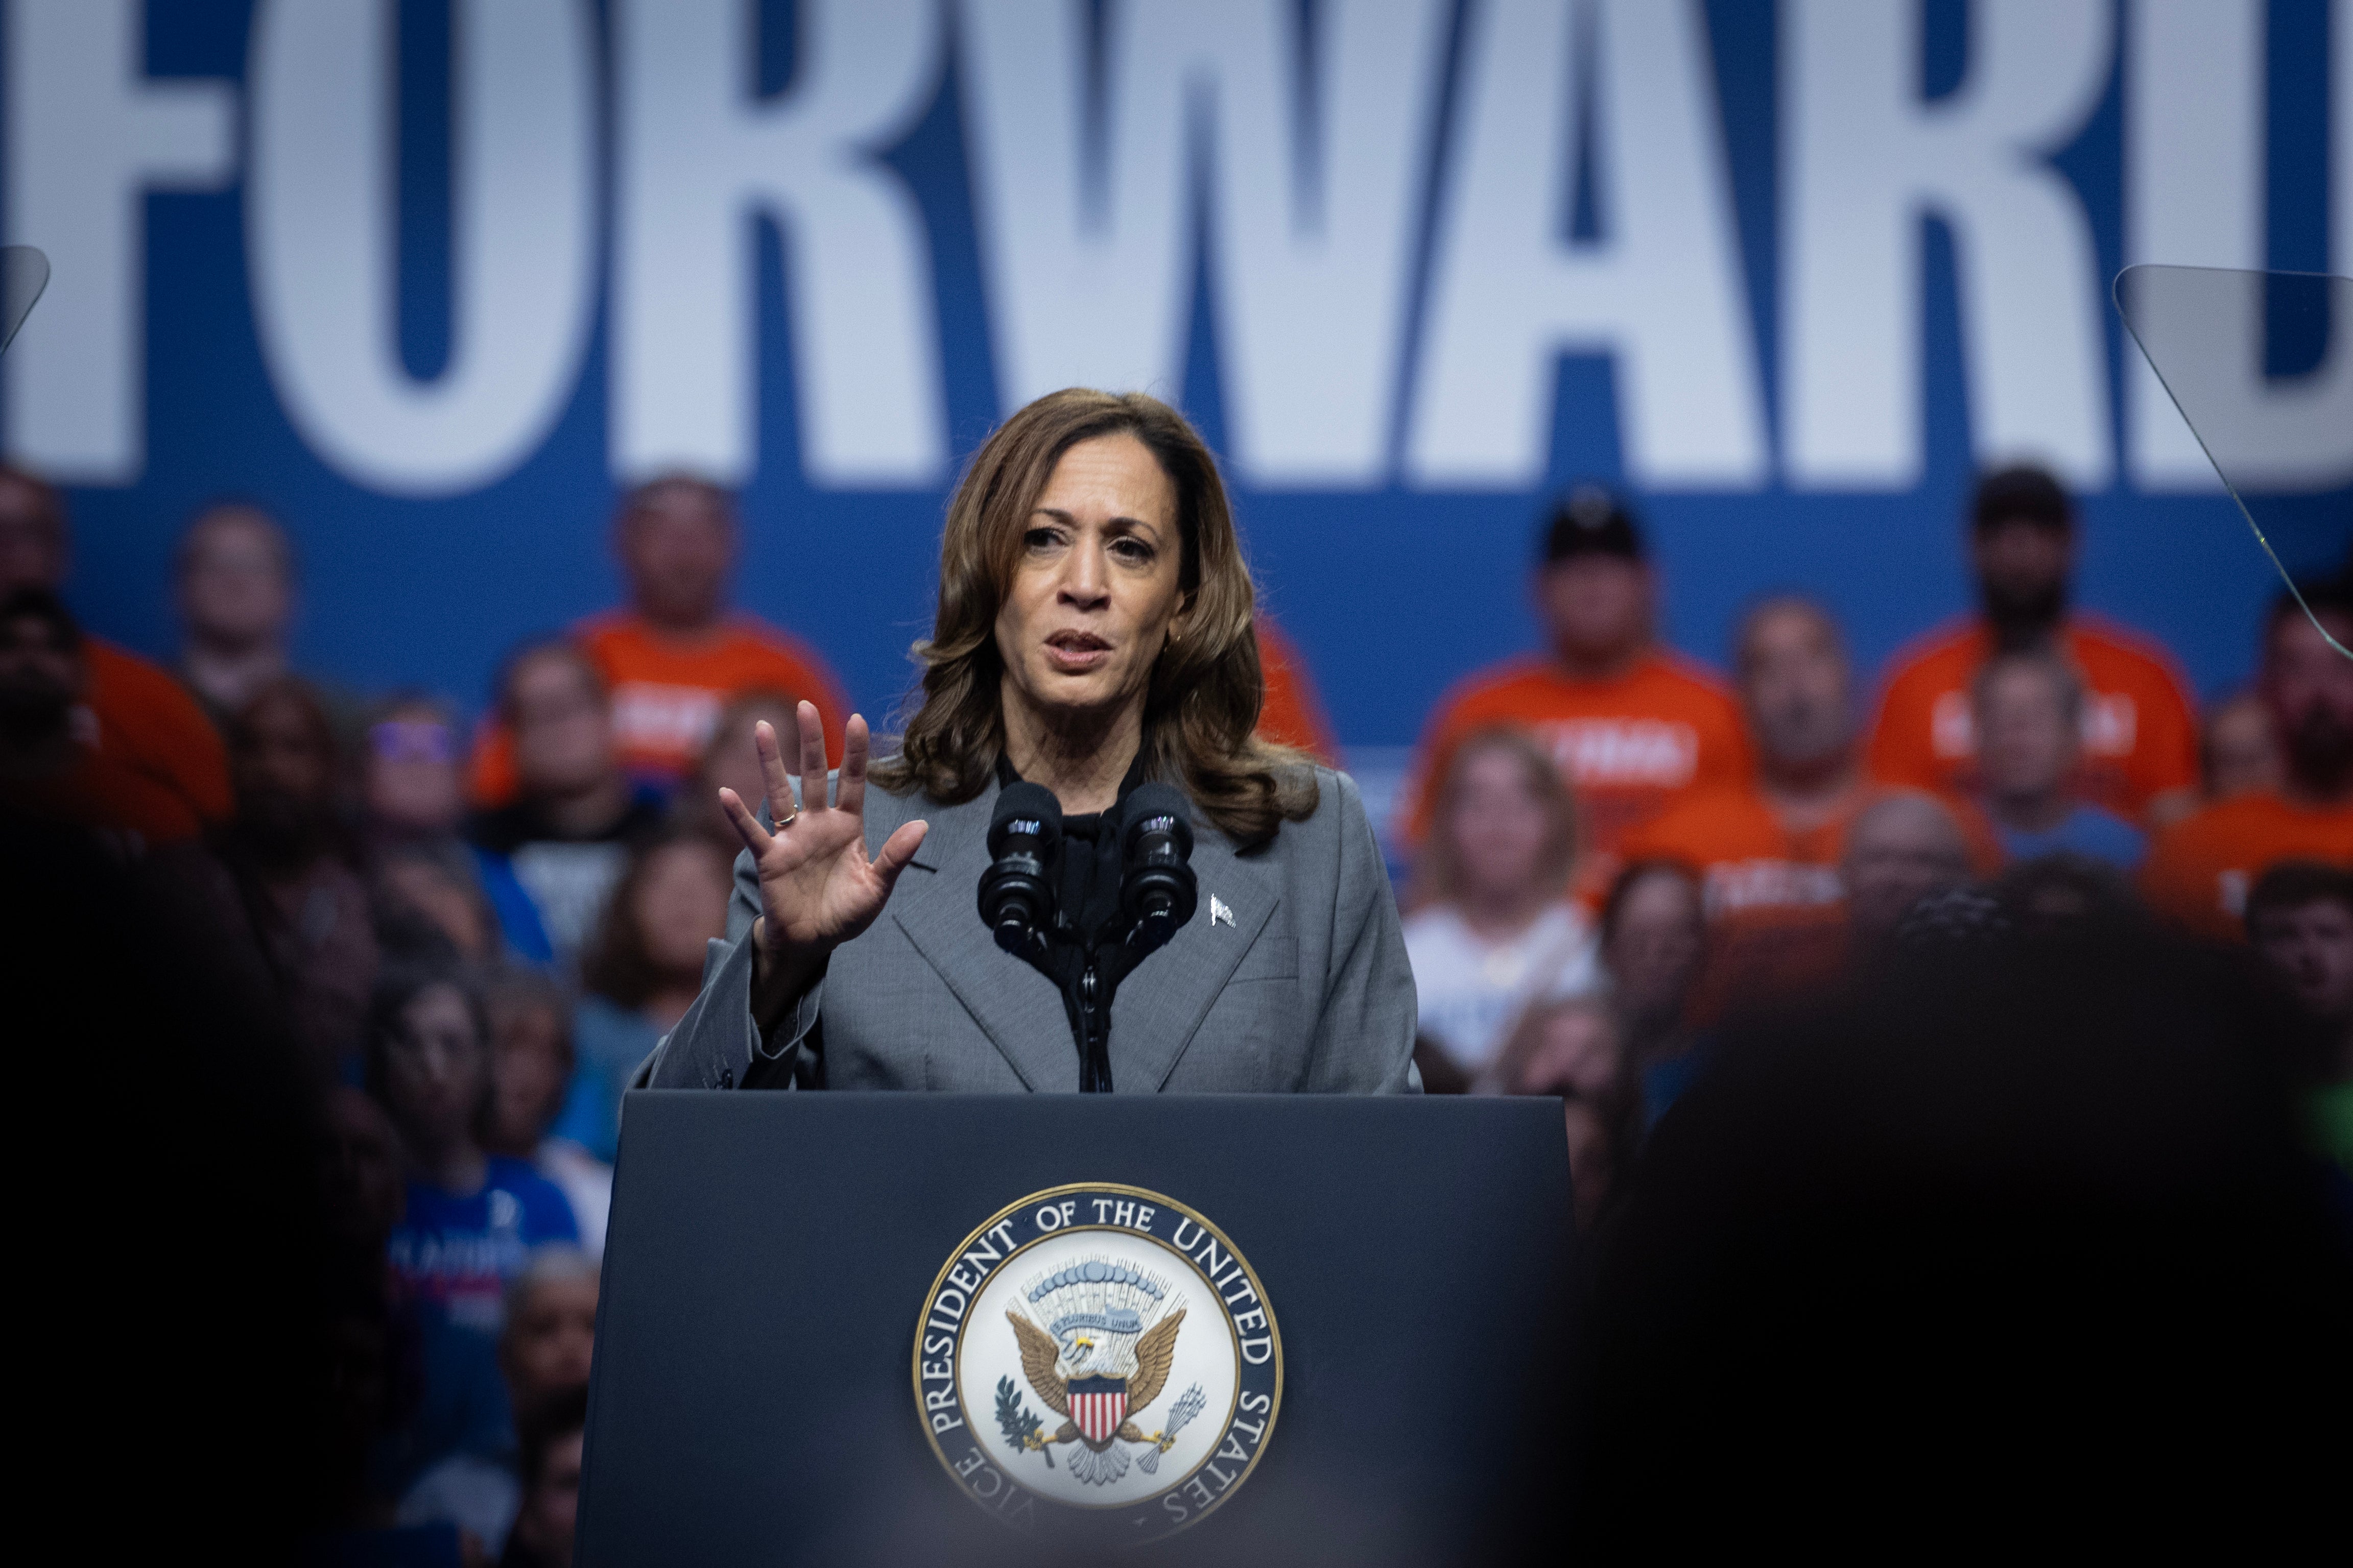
1202	704
616	964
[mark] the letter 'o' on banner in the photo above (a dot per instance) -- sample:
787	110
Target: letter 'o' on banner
322	214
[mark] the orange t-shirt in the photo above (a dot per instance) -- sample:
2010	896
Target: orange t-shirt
2140	729
1291	714
1747	858
137	717
1629	746
668	693
2201	868
110	794
1752	865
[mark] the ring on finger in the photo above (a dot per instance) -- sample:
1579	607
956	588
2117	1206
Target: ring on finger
788	819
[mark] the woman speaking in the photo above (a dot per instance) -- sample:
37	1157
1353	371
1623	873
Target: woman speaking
1093	634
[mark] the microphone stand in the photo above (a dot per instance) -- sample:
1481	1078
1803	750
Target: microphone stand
1156	898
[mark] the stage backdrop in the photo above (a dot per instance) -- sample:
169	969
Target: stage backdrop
429	279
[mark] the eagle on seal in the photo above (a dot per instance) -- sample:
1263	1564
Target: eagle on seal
1089	1363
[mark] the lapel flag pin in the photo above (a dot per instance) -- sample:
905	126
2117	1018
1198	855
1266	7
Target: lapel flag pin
1219	915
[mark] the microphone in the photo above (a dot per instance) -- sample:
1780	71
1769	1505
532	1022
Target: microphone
1158	891
1025	849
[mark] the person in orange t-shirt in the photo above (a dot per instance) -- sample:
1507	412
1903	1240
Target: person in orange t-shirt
674	659
2140	730
1633	727
47	773
1774	843
1291	714
2201	868
133	715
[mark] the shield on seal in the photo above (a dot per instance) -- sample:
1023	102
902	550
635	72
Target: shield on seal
1098	1404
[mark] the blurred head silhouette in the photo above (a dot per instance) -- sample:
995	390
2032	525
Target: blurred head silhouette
2022	546
1902	849
676	536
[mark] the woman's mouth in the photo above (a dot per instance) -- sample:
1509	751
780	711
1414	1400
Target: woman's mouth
1074	653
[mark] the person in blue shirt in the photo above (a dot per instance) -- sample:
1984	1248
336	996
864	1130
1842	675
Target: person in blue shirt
2028	708
473	1218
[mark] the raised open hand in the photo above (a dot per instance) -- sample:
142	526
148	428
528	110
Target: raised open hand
817	889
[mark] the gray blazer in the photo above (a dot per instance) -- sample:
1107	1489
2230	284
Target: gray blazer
1292	977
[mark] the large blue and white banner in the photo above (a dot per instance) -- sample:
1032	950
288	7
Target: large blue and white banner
430	278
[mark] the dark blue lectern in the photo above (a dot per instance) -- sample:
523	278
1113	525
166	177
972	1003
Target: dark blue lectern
850	1329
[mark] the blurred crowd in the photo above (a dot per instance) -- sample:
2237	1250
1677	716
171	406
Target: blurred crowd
1619	858
470	933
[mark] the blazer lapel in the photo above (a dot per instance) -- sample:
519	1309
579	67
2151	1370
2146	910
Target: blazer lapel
1015	1005
1161	1004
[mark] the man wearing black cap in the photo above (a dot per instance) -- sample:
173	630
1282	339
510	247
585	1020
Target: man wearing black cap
2140	732
1633	726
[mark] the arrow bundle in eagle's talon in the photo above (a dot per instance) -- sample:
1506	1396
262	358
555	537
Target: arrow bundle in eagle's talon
1187	1406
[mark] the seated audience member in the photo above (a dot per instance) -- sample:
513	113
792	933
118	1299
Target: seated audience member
1774	845
1631	726
532	1075
2140	739
550	856
428	903
473	1218
1905	848
2029	712
428	884
1576	1049
1291	713
2239	754
643	974
363	1175
1655	944
1493	932
47	773
545	1524
410	787
2300	918
286	851
2201	868
543	1353
130	712
676	655
234	590
551	1332
731	760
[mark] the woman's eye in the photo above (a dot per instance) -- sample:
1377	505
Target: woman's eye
1133	551
1039	539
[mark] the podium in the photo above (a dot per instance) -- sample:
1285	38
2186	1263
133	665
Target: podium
850	1329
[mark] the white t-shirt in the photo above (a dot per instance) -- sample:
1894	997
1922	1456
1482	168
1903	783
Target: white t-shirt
587	1183
1469	989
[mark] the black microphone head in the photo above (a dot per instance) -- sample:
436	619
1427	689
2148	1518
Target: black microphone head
1026	811
1156	808
1025	845
1156	886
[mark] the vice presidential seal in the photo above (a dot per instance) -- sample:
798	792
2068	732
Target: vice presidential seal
1098	1359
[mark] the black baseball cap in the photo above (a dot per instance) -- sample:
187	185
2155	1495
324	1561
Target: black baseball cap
2022	494
1590	521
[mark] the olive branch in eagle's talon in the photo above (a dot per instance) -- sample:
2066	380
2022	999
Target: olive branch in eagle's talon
1018	1422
